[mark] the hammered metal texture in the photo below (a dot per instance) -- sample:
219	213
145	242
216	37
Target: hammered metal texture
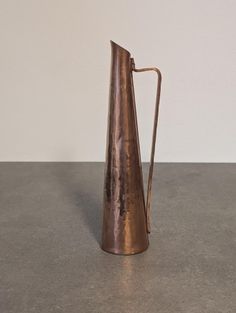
124	219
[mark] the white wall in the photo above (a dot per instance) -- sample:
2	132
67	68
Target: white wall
54	77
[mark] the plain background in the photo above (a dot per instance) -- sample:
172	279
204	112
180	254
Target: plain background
55	67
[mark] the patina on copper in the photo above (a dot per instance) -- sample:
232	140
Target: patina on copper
126	216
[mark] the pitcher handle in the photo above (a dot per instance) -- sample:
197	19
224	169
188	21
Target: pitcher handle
154	135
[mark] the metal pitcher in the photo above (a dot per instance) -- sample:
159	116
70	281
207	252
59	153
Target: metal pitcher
126	214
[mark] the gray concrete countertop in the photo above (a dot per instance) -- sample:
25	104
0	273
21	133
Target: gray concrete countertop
50	259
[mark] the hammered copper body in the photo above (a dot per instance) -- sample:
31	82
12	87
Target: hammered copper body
125	219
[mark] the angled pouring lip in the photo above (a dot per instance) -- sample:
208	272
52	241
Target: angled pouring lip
118	47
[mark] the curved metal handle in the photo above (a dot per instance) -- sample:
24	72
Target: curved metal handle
154	135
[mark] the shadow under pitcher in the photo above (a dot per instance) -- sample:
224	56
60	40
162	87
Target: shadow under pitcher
126	214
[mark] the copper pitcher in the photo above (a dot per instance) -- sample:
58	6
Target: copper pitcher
126	215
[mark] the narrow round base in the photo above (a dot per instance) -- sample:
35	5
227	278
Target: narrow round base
118	252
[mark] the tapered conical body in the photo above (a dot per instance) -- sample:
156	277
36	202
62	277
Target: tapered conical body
124	218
